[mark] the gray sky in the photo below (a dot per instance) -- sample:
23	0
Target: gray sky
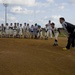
38	11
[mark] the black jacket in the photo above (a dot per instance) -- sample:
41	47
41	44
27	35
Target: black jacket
70	27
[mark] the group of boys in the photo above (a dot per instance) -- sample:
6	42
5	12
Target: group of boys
18	31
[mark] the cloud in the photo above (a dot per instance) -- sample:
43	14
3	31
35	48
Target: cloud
72	1
39	11
47	18
23	2
12	19
50	1
20	10
42	22
62	7
1	19
56	17
30	20
0	1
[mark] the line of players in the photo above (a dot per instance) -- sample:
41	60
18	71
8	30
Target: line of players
35	31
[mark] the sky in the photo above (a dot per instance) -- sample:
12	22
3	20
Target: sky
38	11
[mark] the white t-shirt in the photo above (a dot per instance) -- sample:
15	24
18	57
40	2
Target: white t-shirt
10	27
49	26
7	27
36	27
20	28
32	29
46	29
24	27
27	28
55	30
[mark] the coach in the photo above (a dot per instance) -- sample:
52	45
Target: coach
70	29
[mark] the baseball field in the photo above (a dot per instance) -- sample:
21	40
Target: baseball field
35	57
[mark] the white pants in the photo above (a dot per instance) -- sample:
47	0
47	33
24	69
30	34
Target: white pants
20	33
15	33
56	35
24	32
40	34
31	34
0	33
7	31
11	32
49	33
27	34
46	34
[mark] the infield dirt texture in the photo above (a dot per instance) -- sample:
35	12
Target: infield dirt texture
35	57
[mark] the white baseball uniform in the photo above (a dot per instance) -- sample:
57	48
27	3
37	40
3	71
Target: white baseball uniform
24	30
49	30
11	30
27	31
7	30
15	31
20	32
46	32
56	33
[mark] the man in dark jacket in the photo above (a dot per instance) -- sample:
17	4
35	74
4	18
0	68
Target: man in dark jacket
70	30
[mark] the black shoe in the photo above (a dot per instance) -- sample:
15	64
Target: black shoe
55	45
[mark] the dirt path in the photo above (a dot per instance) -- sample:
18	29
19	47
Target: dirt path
35	57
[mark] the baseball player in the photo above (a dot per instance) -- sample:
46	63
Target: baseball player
21	31
46	32
18	30
40	34
24	30
56	34
15	30
49	30
2	30
27	31
11	30
35	31
32	31
7	31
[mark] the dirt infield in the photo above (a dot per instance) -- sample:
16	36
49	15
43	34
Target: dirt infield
35	57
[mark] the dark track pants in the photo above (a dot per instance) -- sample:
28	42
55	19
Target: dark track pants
71	40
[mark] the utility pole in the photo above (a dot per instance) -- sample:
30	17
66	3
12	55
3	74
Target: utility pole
5	5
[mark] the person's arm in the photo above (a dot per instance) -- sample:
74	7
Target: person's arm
64	26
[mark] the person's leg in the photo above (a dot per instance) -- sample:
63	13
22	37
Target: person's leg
38	35
41	35
24	34
69	42
51	34
47	33
73	40
56	35
73	43
31	35
56	39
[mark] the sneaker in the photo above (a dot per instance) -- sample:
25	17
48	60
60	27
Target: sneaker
73	47
64	49
46	38
55	45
